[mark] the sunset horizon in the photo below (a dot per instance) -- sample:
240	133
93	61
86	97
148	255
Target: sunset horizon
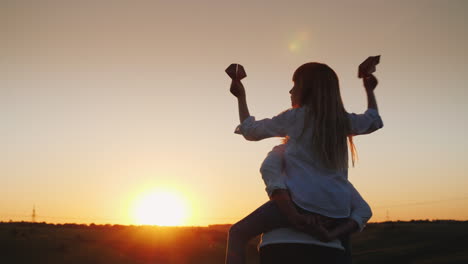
184	221
215	131
121	113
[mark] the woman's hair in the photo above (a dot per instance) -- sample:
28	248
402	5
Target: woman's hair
320	91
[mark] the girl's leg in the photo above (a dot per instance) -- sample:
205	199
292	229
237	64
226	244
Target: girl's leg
267	217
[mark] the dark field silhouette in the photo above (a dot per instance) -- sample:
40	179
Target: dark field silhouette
390	242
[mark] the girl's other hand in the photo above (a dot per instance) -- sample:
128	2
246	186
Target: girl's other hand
237	88
370	82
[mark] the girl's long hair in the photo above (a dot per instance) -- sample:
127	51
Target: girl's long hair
321	93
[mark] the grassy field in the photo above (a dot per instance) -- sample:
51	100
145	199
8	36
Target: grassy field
391	242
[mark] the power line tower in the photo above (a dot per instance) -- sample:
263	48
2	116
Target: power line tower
388	216
34	214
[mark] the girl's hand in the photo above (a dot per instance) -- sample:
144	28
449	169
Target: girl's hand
237	88
370	82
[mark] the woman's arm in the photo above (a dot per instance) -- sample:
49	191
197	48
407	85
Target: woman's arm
370	82
251	129
237	89
370	121
243	109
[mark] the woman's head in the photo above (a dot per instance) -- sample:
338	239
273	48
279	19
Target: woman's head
316	86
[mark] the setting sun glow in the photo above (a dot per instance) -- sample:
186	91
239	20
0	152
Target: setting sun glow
162	208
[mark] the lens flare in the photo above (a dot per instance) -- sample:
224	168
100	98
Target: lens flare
298	42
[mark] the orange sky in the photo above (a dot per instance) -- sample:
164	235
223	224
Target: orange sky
101	101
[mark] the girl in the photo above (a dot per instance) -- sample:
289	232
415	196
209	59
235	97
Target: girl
313	194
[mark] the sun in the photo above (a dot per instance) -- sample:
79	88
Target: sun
162	208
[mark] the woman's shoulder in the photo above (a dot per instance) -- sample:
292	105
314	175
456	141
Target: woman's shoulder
293	112
293	118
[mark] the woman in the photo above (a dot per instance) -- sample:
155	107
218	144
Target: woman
316	195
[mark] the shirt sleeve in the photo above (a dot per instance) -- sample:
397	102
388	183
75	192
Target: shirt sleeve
365	123
269	127
360	209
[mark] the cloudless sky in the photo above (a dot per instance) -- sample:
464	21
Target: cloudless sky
101	101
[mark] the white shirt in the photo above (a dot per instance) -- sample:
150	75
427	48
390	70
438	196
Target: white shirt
312	187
